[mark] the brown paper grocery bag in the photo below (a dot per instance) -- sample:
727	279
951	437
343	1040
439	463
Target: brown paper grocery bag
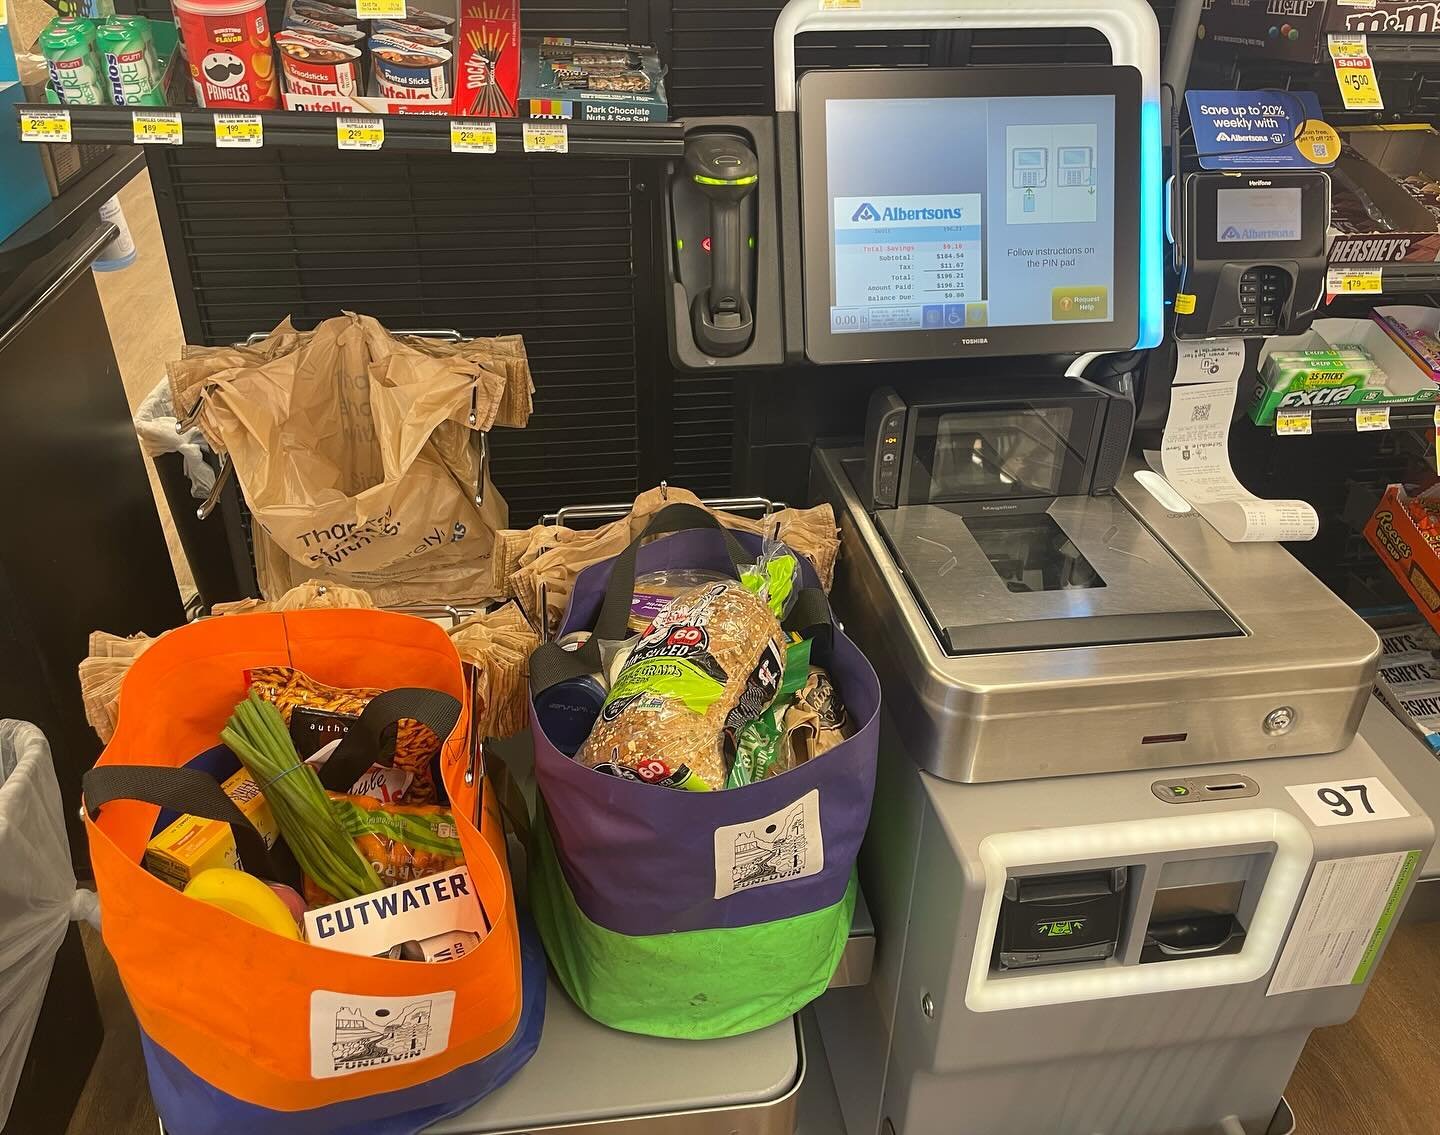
355	453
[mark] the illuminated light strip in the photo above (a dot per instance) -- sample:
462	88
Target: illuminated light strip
1058	848
1151	327
701	179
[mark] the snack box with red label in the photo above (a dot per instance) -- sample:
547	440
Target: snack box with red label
480	77
1394	532
1385	196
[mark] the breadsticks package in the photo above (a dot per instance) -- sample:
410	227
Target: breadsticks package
709	664
317	714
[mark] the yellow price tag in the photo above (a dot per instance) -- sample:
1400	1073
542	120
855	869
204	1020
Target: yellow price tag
359	133
1355	72
240	131
380	9
156	127
1354	281
546	137
467	137
45	126
1292	422
1372	418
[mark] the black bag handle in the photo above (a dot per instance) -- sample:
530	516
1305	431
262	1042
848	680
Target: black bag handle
188	791
550	663
370	740
615	609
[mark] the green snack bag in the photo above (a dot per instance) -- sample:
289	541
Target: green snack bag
773	577
758	744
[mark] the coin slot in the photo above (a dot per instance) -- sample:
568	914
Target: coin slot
1163	738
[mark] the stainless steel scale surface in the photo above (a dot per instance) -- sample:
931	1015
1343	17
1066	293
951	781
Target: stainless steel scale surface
1027	584
1293	681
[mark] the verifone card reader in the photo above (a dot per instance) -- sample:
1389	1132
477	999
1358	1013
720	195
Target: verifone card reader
1254	252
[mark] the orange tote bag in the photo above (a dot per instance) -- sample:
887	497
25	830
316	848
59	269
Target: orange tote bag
239	1024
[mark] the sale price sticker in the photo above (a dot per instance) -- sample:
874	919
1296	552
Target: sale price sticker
45	126
359	133
157	128
1355	72
380	9
239	131
546	138
469	137
1372	418
1353	281
1292	422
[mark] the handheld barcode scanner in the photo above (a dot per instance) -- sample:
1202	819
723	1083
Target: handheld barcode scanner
725	170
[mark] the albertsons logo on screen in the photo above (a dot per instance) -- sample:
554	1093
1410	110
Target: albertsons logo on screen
1256	232
913	211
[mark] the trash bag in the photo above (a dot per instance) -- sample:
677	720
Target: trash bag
37	891
156	426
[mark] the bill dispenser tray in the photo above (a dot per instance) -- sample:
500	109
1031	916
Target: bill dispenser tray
1072	571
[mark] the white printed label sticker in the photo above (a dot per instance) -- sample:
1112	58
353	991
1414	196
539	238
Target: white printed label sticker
1348	908
1347	801
350	1032
777	848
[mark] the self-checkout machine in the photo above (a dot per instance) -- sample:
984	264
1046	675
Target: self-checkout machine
1127	851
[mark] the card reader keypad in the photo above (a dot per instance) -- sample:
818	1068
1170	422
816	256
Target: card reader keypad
1262	298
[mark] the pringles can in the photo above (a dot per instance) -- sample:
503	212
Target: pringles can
132	69
230	53
76	77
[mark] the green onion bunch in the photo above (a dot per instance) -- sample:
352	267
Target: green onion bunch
256	734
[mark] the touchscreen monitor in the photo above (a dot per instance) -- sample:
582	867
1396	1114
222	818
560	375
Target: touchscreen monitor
955	213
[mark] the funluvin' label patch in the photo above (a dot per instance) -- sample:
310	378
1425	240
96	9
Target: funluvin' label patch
352	1033
777	848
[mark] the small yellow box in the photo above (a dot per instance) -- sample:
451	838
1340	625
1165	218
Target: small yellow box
191	844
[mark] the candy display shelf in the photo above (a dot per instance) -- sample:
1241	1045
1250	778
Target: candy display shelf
1300	421
194	126
1375	281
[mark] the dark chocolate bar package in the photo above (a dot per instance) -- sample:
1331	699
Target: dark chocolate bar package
575	80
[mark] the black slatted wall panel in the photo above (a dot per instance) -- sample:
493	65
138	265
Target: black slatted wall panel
558	250
540	248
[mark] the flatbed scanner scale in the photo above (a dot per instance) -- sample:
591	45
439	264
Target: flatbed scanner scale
1292	682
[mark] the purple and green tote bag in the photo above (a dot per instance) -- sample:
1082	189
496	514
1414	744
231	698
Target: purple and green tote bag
700	914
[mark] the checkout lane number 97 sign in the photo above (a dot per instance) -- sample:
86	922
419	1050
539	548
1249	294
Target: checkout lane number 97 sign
1347	801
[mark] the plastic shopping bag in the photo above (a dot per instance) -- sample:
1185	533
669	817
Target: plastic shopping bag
37	891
